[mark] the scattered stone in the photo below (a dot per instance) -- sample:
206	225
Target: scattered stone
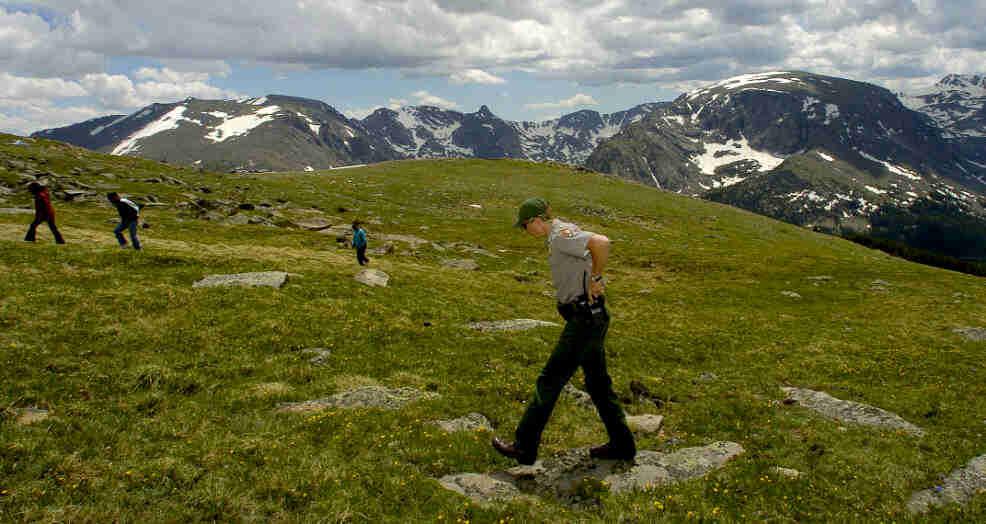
520	324
791	294
476	206
274	279
820	278
971	333
483	489
321	355
466	264
645	424
386	249
470	422
237	220
372	278
580	397
707	377
848	411
787	473
412	240
363	397
960	486
15	211
28	416
314	223
561	476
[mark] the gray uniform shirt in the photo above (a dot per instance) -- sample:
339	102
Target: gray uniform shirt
570	260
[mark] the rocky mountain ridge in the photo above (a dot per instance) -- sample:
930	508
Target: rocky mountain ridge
278	132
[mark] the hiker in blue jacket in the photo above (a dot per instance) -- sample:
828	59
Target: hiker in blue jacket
359	243
129	216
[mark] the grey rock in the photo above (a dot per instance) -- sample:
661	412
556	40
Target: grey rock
386	249
15	211
519	324
364	397
319	355
645	424
237	220
466	264
372	278
848	411
707	377
958	488
580	397
787	473
820	278
483	489
412	240
470	422
28	416
971	333
274	279
314	223
562	475
791	294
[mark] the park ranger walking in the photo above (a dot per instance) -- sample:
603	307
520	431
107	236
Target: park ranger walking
577	259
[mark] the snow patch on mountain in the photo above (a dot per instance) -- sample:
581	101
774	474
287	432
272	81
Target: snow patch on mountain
737	82
895	169
167	122
241	125
718	155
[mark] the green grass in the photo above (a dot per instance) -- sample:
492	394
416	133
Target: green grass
163	396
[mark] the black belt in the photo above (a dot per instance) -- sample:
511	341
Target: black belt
581	308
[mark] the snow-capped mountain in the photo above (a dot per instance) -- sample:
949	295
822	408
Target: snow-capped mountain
813	150
430	132
271	132
280	133
957	103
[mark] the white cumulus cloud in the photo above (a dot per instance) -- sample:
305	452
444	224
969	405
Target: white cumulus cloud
575	101
475	76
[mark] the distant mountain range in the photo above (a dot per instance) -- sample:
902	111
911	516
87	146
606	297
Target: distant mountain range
823	152
286	133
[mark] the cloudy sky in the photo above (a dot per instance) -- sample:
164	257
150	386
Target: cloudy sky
63	61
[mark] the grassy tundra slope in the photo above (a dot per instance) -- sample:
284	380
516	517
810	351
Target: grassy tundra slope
162	397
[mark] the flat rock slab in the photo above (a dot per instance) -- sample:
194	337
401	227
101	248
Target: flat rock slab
848	411
580	397
561	476
971	333
372	278
519	324
470	422
787	473
15	211
28	416
645	424
466	264
414	241
364	397
274	279
319	355
960	486
791	294
314	223
483	489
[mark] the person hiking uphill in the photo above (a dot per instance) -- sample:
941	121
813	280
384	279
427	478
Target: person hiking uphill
359	243
43	212
577	259
129	216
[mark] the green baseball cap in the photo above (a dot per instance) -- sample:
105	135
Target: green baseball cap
530	208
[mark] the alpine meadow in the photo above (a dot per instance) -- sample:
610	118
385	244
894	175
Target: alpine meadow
131	394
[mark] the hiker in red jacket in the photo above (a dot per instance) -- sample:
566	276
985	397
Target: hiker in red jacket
43	212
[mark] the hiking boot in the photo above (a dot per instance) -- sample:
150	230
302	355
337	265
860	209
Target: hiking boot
608	452
510	450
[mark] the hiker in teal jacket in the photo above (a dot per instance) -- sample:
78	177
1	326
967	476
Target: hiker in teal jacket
359	243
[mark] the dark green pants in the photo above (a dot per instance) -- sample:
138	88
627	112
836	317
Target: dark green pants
580	345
